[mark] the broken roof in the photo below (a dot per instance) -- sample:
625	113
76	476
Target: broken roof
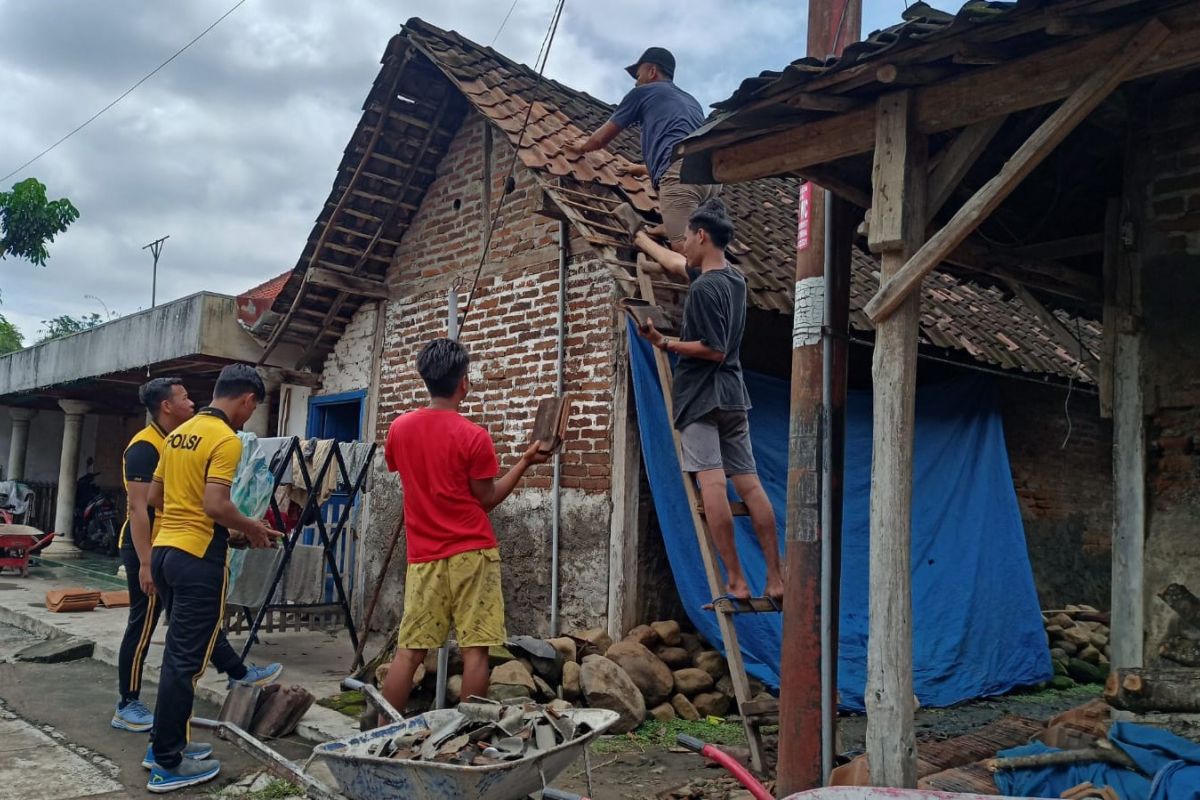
956	314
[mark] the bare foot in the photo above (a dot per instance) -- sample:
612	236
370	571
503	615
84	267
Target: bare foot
774	589
738	588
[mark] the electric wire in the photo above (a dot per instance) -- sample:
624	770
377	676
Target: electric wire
543	56
127	92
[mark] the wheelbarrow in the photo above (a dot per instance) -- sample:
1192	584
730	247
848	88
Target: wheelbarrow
16	546
359	775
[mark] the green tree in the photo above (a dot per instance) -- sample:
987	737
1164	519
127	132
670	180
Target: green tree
10	338
65	325
29	222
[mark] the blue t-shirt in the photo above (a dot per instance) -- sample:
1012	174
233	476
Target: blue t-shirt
666	115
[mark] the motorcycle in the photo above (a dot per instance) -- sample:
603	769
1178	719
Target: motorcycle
96	527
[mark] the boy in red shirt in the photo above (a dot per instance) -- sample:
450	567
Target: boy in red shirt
448	471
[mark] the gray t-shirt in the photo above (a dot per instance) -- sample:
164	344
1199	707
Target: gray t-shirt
715	314
666	115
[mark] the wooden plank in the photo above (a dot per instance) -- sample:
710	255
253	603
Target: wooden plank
891	741
1064	248
1086	358
1035	149
708	555
624	530
811	101
1042	77
834	180
960	156
352	284
1112	244
351	251
909	74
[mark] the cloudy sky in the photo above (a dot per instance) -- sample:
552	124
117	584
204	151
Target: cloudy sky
232	147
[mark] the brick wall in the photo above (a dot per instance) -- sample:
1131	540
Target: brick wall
1168	239
1065	492
512	335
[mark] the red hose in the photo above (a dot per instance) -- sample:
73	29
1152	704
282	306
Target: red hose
731	765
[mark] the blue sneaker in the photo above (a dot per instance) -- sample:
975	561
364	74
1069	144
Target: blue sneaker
258	676
194	750
188	773
133	717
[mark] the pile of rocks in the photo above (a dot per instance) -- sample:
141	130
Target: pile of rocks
657	671
1079	647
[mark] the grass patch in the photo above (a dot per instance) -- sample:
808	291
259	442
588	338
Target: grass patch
653	734
278	789
1082	691
351	703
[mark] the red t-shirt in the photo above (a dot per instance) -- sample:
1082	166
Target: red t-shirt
437	454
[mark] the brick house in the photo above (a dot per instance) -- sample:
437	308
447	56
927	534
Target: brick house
402	232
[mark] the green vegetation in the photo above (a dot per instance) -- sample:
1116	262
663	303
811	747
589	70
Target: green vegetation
29	222
661	735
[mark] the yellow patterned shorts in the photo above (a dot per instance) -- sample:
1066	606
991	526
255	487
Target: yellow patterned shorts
463	589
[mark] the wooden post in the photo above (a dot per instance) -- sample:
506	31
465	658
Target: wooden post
808	673
624	530
1129	434
898	215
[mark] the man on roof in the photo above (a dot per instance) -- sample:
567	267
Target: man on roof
666	114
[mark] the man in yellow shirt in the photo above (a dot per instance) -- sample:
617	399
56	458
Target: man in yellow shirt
167	402
188	561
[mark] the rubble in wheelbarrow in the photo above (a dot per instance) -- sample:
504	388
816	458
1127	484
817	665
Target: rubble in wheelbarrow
485	732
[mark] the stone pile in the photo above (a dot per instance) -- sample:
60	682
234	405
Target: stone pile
657	671
1079	646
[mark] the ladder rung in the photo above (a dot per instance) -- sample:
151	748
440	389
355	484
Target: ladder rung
760	713
755	605
738	508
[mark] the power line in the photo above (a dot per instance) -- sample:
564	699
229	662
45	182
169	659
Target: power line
543	57
127	92
504	22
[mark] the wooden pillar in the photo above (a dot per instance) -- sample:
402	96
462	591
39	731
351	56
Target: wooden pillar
1122	305
896	231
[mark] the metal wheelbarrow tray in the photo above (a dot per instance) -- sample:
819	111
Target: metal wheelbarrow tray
362	776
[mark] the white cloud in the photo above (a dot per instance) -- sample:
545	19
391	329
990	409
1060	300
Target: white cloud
232	148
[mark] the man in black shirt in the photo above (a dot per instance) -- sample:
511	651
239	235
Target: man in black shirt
710	397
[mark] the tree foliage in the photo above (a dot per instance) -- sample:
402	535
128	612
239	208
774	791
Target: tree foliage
11	339
29	222
65	325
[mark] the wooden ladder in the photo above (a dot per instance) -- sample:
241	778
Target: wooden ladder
753	717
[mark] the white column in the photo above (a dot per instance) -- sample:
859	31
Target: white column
18	443
68	466
260	420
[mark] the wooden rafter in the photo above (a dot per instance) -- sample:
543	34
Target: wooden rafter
281	326
384	224
1069	341
1035	149
1034	80
960	156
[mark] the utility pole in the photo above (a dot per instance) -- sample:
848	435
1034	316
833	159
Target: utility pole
155	248
808	669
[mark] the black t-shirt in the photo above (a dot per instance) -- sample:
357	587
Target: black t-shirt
714	314
141	459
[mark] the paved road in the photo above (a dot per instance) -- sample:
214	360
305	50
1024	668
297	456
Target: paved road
55	738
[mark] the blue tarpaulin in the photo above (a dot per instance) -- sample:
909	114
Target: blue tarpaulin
977	625
1172	764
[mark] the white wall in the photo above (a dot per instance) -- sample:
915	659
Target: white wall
348	367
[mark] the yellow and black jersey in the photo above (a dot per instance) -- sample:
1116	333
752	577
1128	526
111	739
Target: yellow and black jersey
203	450
138	465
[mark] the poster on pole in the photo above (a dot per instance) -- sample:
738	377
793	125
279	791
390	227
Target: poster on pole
804	217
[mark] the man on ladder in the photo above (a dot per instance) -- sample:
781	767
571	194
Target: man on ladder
710	398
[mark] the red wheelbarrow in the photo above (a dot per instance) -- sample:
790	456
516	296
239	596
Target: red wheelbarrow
17	546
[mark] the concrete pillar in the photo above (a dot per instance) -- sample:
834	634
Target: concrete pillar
260	420
68	466
18	443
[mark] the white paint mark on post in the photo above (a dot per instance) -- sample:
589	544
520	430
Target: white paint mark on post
810	312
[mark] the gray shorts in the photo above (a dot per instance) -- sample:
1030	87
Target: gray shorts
718	440
677	201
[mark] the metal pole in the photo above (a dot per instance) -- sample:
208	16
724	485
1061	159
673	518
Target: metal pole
443	657
155	248
555	487
807	673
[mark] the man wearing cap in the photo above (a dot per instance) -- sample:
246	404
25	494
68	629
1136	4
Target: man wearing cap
666	114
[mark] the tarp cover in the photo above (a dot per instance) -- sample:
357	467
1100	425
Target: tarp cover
977	625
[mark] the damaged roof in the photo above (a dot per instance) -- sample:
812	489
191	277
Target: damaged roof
957	315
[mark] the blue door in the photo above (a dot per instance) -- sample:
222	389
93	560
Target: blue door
337	417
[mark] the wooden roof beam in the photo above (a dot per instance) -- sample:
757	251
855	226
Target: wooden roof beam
960	156
1063	248
1040	144
1034	80
351	284
1072	344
